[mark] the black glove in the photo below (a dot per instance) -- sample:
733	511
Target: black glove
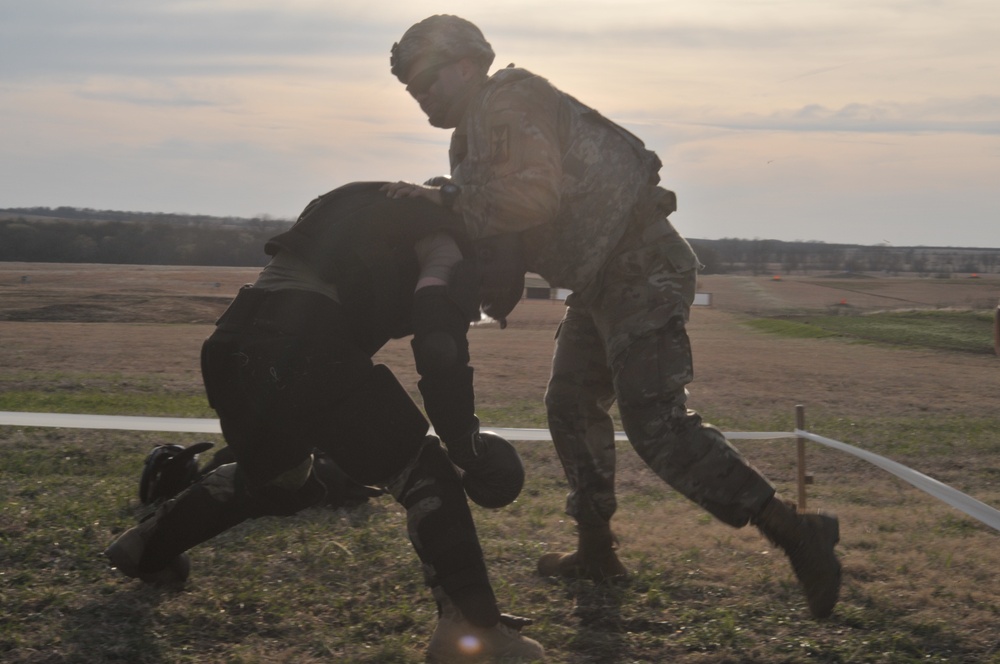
493	473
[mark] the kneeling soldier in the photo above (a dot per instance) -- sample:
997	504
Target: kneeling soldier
289	369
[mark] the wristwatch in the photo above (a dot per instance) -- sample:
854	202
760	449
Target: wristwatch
449	193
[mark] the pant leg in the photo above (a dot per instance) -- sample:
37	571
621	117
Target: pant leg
267	390
443	534
280	396
642	316
690	455
577	400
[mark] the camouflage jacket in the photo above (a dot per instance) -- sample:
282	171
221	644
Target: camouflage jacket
534	160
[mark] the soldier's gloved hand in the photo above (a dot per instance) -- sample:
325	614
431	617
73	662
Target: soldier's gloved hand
493	473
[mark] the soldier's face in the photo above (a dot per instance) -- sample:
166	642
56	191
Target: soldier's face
436	87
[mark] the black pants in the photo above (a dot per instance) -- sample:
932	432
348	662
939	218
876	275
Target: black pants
289	371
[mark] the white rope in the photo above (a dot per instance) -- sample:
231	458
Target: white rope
943	492
196	425
130	423
960	501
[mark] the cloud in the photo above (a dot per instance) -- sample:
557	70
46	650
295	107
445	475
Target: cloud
762	110
143	38
974	115
165	97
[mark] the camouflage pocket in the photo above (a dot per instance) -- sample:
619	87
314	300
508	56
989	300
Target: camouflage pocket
681	256
655	367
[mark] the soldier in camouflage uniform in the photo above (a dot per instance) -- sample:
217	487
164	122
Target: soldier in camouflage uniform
581	196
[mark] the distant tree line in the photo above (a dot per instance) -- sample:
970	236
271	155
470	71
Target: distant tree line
88	214
194	242
803	257
80	235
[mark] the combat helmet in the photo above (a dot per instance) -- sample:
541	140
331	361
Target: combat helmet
446	38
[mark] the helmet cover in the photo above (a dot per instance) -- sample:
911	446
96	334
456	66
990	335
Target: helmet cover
442	38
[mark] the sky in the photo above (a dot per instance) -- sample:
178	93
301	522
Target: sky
841	121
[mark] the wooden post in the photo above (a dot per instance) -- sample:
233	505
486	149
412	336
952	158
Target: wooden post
996	331
800	445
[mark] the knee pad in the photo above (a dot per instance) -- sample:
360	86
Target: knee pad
290	492
287	494
274	500
379	429
225	483
430	467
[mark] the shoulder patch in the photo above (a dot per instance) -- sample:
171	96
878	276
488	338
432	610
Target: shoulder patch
500	144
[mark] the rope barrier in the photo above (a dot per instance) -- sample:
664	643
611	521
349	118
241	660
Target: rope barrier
124	422
210	425
943	492
950	496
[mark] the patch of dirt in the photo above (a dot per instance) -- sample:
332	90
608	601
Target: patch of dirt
740	372
120	309
116	293
148	321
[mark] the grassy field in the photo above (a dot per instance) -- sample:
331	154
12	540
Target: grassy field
921	579
963	331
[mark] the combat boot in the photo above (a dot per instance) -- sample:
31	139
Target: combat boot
125	553
457	641
809	541
594	559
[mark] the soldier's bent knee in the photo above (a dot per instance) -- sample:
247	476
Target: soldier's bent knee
698	461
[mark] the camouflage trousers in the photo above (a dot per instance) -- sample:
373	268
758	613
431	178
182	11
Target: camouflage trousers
628	343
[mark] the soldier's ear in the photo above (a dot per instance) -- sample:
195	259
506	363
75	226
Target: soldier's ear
469	69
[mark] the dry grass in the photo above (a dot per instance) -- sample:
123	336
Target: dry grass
921	579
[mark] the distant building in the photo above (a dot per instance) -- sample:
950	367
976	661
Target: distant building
536	288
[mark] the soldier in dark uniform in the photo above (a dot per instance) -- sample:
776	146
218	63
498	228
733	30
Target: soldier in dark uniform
579	194
289	369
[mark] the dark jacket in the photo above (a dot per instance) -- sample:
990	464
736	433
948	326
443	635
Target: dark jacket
361	241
